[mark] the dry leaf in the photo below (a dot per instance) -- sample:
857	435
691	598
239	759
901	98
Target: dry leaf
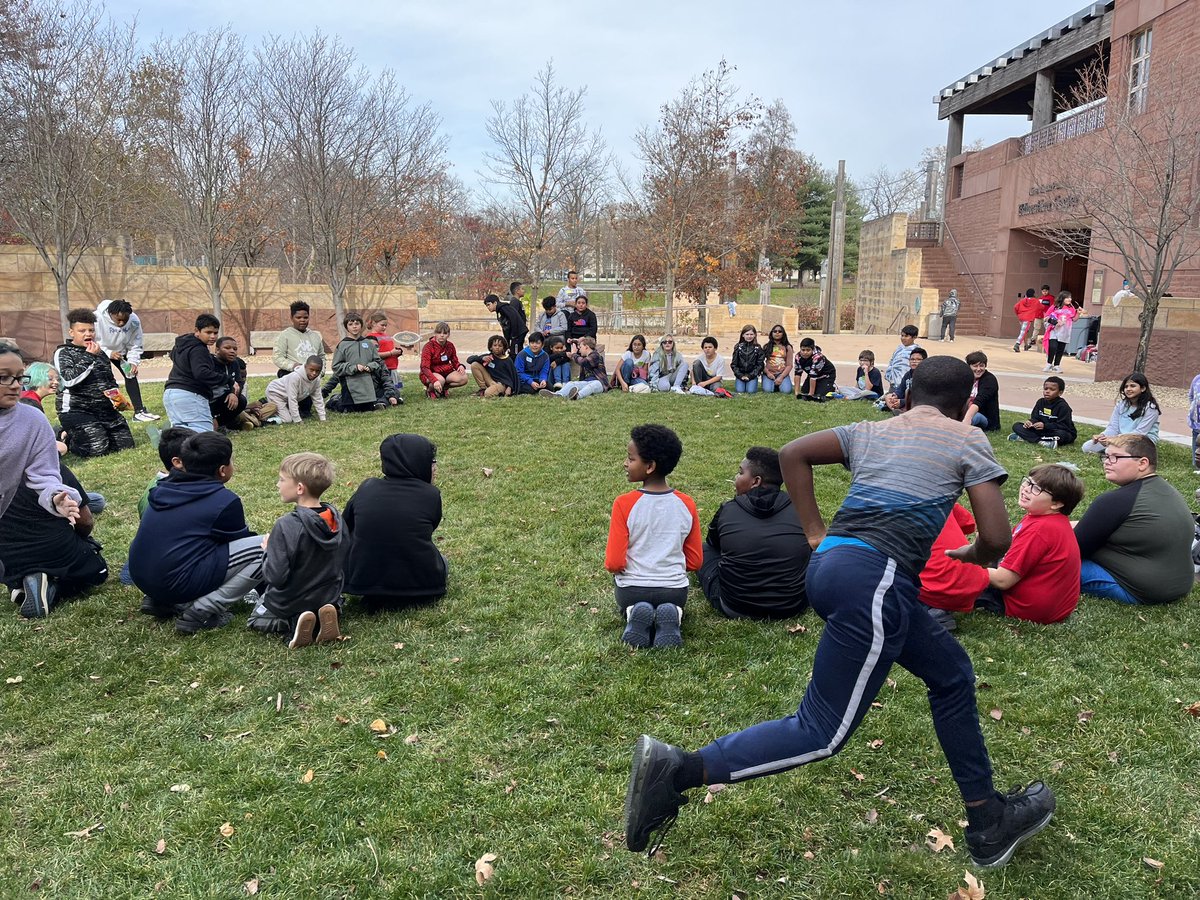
858	776
399	645
1152	863
1193	710
307	777
15	680
412	739
180	788
161	847
875	744
973	889
251	886
382	754
378	726
487	473
341	720
797	629
86	832
996	714
938	840
484	868
1085	715
871	817
107	789
808	854
512	786
226	830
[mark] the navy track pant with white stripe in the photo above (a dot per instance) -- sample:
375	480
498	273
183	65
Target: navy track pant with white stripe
872	619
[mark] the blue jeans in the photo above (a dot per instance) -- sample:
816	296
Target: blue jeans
1096	580
627	374
979	420
769	386
745	387
560	374
187	410
872	620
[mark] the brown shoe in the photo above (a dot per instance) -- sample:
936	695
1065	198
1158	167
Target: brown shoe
330	631
306	626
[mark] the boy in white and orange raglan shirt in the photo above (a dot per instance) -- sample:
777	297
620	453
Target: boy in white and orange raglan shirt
653	541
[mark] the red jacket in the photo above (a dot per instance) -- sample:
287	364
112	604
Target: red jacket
1028	309
439	359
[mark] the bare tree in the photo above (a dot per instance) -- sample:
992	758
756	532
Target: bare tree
544	153
208	142
774	176
65	88
885	193
1127	194
681	206
350	144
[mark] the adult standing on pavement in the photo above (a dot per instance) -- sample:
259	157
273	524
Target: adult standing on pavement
1136	542
949	311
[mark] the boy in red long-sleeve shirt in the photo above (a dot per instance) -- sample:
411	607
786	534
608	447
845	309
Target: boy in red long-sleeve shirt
653	541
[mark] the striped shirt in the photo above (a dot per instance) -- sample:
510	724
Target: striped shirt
653	539
907	474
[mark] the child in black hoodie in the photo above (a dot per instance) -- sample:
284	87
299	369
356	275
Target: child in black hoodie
194	376
393	562
1049	423
305	554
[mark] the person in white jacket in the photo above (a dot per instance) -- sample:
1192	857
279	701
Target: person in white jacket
119	334
303	384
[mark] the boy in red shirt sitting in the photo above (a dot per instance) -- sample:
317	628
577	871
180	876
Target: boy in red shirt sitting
948	585
1038	578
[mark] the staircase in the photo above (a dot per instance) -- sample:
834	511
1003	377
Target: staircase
940	272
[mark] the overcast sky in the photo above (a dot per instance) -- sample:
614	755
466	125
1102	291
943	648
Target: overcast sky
858	76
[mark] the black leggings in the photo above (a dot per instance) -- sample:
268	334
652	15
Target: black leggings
1054	352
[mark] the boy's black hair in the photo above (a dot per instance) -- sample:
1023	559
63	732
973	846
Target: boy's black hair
764	464
352	317
119	307
1045	287
298	306
549	302
207	320
170	442
942	382
709	339
491	298
919	351
318	360
976	356
1029	292
1054	379
558	339
867	354
808	343
81	315
658	444
497	337
535	337
1060	483
909	331
572	272
512	288
225	339
204	453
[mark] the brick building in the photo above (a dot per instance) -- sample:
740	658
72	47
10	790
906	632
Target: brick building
1012	208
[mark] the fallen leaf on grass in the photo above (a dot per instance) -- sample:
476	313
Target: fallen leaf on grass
512	786
378	726
871	817
399	645
307	777
382	754
996	714
86	832
226	830
15	680
972	889
412	739
487	473
341	720
1193	710
713	790
1152	863
180	788
484	869
875	744
251	886
1085	716
858	776
808	854
161	847
797	629
938	840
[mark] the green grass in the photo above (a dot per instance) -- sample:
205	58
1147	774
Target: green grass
525	706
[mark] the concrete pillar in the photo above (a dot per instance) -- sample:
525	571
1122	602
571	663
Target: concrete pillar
1043	99
954	135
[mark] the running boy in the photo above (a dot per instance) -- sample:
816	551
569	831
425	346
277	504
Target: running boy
653	541
87	392
863	581
305	552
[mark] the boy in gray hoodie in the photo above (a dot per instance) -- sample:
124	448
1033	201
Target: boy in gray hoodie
305	552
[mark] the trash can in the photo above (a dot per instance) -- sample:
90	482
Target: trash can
1079	334
933	326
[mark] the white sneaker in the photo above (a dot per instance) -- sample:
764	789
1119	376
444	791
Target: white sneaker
679	390
145	416
1049	443
1048	368
1058	368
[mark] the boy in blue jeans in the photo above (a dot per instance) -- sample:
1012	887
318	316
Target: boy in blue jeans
193	554
863	581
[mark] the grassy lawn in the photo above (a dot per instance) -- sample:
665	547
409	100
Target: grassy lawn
512	707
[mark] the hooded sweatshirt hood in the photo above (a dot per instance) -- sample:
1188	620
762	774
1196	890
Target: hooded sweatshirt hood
764	501
407	456
181	489
322	526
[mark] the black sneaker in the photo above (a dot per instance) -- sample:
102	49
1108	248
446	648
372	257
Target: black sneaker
652	803
202	615
1026	812
667	619
39	596
943	617
639	620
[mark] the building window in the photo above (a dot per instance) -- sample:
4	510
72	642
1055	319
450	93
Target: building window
956	182
1139	70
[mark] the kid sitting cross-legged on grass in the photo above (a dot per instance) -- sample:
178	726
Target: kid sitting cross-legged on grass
653	541
305	552
193	554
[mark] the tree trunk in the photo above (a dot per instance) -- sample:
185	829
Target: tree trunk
764	280
214	288
1146	319
669	299
61	281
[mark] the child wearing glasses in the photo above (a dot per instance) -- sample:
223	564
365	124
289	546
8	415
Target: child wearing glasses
1038	578
668	368
1049	424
